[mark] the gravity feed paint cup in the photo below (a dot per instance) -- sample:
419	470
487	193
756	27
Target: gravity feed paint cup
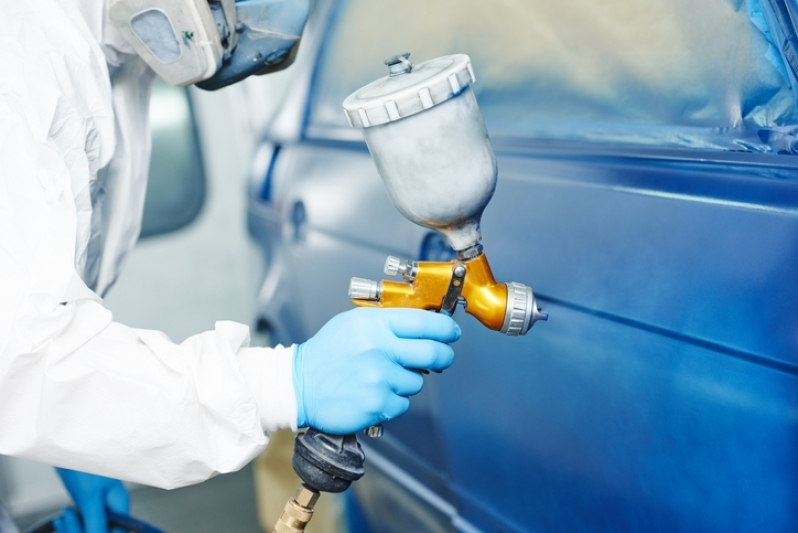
427	137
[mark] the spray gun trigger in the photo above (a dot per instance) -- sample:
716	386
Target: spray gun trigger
452	297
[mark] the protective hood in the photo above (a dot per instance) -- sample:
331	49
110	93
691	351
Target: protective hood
95	14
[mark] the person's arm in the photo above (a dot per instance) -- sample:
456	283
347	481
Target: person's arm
130	404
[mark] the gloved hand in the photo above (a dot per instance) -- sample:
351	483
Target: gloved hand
357	370
92	495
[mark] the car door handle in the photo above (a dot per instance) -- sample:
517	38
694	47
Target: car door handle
299	220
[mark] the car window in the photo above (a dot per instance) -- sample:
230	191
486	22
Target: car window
176	186
694	73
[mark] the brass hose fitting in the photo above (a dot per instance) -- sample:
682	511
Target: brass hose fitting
438	286
297	511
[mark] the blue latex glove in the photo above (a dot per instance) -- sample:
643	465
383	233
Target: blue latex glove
92	495
357	370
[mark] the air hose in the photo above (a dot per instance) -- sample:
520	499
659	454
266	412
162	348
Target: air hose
115	521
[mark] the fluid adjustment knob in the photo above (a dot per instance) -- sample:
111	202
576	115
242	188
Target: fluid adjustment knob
364	289
395	266
392	266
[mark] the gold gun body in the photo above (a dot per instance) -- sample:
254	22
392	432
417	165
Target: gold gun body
440	286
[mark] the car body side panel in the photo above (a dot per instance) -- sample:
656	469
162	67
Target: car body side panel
708	254
662	393
593	425
393	500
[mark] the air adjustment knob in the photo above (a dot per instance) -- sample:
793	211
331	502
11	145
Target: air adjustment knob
364	289
522	310
392	265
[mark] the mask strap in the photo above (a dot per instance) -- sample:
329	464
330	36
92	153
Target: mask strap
229	10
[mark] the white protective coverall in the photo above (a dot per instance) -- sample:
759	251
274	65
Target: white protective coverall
77	389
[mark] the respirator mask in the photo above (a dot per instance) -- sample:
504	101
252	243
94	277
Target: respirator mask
211	43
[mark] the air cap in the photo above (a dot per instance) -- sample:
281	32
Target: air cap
408	89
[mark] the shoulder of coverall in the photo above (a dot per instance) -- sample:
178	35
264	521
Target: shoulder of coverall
56	70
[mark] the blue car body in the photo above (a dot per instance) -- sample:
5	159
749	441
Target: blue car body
661	395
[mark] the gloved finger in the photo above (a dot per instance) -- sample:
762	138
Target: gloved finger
93	511
419	324
117	499
394	407
422	354
68	522
406	382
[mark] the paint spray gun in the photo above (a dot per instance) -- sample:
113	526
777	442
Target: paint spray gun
427	137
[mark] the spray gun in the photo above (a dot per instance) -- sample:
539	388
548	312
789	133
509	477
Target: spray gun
427	137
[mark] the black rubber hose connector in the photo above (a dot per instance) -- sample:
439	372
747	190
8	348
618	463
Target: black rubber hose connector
328	463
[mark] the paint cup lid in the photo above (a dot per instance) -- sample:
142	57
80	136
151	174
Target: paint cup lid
408	89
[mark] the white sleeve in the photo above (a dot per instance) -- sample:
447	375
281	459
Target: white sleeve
131	404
